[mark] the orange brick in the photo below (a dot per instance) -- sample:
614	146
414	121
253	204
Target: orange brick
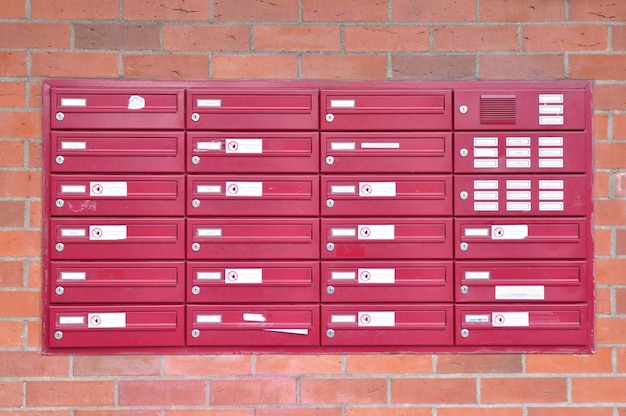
621	360
75	64
153	392
20	125
34	274
609	155
610	212
433	390
20	183
34	101
166	10
570	411
256	11
524	390
34	335
211	412
609	96
10	336
599	362
522	67
344	11
12	94
343	391
389	364
564	38
12	213
70	393
35	214
129	412
13	64
620	301
601	185
433	11
600	127
207	365
618	37
389	411
344	67
297	38
521	11
386	38
603	301
11	274
116	365
20	244
597	66
11	152
602	242
610	271
610	331
439	67
620	242
610	11
35	35
480	411
258	391
619	127
475	38
11	393
117	36
206	38
20	304
35	413
598	389
479	363
298	364
255	67
166	66
15	9
75	9
35	154
299	411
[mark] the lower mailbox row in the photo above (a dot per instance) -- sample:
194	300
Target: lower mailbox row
256	326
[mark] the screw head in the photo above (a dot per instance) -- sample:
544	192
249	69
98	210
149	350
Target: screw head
59	246
464	246
464	152
58	335
330	117
60	159
195	246
330	289
195	333
195	203
330	160
465	332
330	246
59	203
463	195
60	116
195	117
464	289
195	290
59	290
330	333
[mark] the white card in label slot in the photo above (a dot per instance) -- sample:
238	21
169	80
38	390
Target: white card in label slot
73	145
73	232
343	146
509	232
248	146
73	102
550	163
208	103
551	120
343	319
556	184
343	276
476	232
476	319
106	320
485	163
384	276
371	145
477	275
518	195
377	189
550	141
551	98
550	109
73	189
376	232
342	103
551	195
73	276
342	232
486	152
520	293
107	232
209	319
209	189
243	276
485	196
387	319
485	184
518	163
512	319
551	206
209	232
550	152
343	189
254	317
518	206
72	320
485	141
523	152
236	189
209	276
108	189
208	145
524	184
518	141
289	331
486	206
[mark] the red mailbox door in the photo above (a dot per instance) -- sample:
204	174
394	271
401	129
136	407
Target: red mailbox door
385	152
385	109
117	282
401	195
387	281
252	109
117	238
365	325
387	238
521	281
253	239
253	325
253	195
253	282
522	325
517	195
110	195
122	326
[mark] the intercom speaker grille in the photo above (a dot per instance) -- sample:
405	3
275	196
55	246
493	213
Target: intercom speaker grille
497	109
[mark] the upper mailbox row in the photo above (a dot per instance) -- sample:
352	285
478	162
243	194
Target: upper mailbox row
311	109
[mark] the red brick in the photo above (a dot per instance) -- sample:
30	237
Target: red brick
440	67
11	274
564	38
618	38
154	392
20	303
12	94
75	64
298	364
11	152
389	411
522	67
12	213
609	11
599	362
166	10
166	66
35	154
34	334
257	391
433	11
14	9
35	215
480	411
609	155
299	411
598	389
620	242
59	393
20	183
620	301
479	363
386	38
212	412
116	365
207	365
255	66
601	185
570	411
603	301
619	127
343	391
206	38
35	413
344	11
129	412
11	335
13	63
433	390
621	360
609	96
35	35
11	393
602	242
600	127
521	11
20	125
610	212
75	9
34	274
610	331
523	390
610	271
116	36
344	67
255	10
20	244
34	100
475	38
597	66
297	38
389	364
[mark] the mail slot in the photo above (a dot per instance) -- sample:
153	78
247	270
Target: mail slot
521	281
522	325
368	195
253	282
117	238
387	238
117	108
253	195
252	109
117	282
253	325
125	326
111	195
517	195
387	281
386	109
521	152
257	152
253	238
392	324
521	238
514	108
385	152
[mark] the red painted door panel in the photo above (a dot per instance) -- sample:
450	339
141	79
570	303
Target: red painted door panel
117	282
117	108
386	109
521	281
387	238
117	238
520	195
401	195
117	151
253	325
386	281
521	238
520	109
521	152
253	238
252	109
385	152
393	325
253	152
114	196
253	195
121	326
522	325
253	282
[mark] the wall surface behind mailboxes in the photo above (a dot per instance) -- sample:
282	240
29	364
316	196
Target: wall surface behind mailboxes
306	39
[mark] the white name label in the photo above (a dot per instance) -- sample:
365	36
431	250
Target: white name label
73	276
376	319
376	232
509	232
513	319
371	145
244	188
107	232
108	189
73	145
377	275
243	276
377	189
209	146
250	146
519	292
106	320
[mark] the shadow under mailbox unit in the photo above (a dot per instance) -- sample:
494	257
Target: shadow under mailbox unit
317	216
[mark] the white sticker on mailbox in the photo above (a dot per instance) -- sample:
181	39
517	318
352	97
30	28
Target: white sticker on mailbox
509	232
250	146
108	189
72	320
342	232
209	189
106	320
371	145
477	275
377	319
136	102
73	145
107	232
476	319
73	276
73	232
342	319
343	146
73	189
377	275
377	189
476	232
342	189
243	276
209	319
210	103
73	102
520	293
209	146
254	317
512	319
209	276
342	103
244	189
209	232
376	232
343	275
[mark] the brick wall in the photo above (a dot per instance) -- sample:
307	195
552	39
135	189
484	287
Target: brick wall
306	39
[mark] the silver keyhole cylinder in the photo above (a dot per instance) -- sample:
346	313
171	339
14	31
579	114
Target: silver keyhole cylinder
195	246
330	203
330	246
195	160
330	289
330	333
58	335
59	290
59	247
330	117
330	160
60	159
463	195
195	333
195	203
195	290
195	117
463	109
60	116
464	246
465	332
464	289
464	152
59	203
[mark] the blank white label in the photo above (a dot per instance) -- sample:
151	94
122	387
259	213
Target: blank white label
244	189
136	102
376	232
551	195
550	141
551	152
254	317
512	319
551	206
485	196
209	276
518	195
477	275
246	146
209	189
107	232
211	103
73	276
518	184
295	331
72	320
73	102
343	275
522	152
476	319
556	184
518	206
371	145
208	145
73	232
518	141
343	319
73	145
377	319
550	98
342	232
343	189
486	206
518	163
377	276
209	232
108	189
485	184
485	163
243	276
106	320
377	189
550	109
343	146
509	232
342	103
550	120
486	152
209	319
550	163
73	189
485	141
476	232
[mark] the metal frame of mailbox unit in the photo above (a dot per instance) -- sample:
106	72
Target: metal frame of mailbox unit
186	217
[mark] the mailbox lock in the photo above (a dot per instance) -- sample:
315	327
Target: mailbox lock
463	195
464	152
330	289
463	109
60	159
330	203
330	117
195	203
195	333
464	246
59	247
464	289
195	290
195	117
465	333
195	160
59	290
330	160
330	333
60	116
58	335
195	246
59	203
330	246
